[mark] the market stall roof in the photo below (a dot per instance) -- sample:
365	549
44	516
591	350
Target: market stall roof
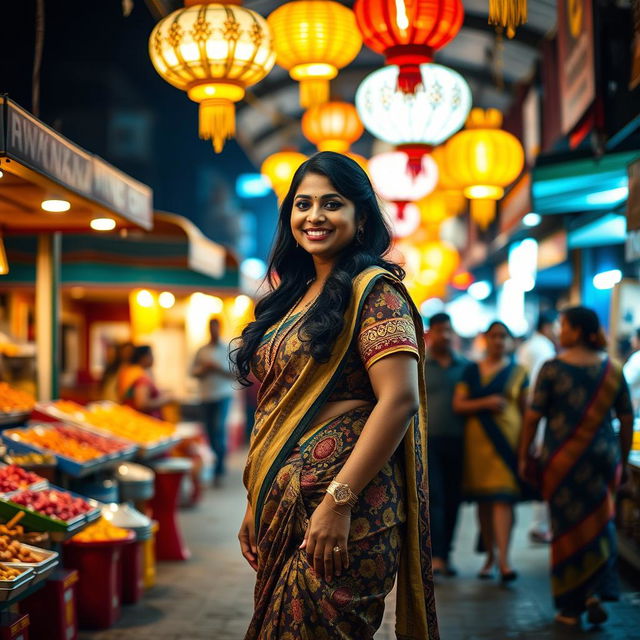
174	256
586	184
37	164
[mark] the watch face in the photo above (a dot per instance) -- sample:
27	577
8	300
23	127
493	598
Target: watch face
341	494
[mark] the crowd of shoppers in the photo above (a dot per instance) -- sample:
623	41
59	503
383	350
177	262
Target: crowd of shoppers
554	440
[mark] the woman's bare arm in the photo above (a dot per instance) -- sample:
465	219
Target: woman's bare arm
395	384
529	428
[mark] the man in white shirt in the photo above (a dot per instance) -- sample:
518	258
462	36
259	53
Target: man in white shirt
211	367
532	354
631	372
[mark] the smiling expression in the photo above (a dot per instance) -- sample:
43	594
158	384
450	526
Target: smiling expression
323	222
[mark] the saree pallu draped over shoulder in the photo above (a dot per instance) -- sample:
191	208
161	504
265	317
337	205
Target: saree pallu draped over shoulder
291	461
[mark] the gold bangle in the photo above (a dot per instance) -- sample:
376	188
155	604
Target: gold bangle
340	513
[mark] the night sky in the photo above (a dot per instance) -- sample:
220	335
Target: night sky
99	89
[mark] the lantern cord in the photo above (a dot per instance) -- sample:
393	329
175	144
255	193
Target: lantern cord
483	212
409	78
508	14
217	122
313	91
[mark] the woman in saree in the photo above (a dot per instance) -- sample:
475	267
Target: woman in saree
336	473
492	395
136	386
582	462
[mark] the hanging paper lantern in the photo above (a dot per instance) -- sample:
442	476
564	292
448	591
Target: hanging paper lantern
416	122
390	179
214	52
313	39
408	33
484	159
332	126
434	209
404	220
279	168
451	189
441	257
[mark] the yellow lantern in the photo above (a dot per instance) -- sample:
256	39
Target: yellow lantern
332	126
312	40
441	258
484	159
213	52
280	168
434	209
451	189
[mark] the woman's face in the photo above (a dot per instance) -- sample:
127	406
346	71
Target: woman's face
569	335
498	341
323	222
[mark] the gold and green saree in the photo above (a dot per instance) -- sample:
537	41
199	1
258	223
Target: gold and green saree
293	458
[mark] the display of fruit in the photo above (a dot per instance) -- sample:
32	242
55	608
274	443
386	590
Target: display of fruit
52	503
9	573
13	478
14	401
101	531
31	459
53	440
101	443
119	420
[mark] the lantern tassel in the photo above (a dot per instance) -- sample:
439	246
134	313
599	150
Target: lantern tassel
313	91
217	122
508	14
483	212
409	78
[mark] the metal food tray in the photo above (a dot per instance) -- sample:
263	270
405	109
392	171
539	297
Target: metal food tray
10	589
41	569
69	465
14	418
36	486
144	452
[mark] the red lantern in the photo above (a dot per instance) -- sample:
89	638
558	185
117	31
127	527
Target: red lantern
408	32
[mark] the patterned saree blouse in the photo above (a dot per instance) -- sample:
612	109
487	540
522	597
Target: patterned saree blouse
386	326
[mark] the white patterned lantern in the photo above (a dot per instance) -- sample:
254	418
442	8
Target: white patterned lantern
415	122
394	183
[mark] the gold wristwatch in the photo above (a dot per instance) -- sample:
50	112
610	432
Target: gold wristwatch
342	493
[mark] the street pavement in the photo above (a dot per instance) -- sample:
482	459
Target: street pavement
210	596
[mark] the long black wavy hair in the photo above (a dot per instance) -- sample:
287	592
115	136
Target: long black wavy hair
291	267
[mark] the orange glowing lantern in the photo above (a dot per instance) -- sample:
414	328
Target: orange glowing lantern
280	168
484	159
332	126
313	39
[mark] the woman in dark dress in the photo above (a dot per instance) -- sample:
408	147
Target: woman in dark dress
582	463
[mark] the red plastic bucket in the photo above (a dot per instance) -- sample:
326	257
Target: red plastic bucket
99	565
132	574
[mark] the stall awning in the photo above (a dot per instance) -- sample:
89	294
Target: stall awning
38	163
174	256
589	184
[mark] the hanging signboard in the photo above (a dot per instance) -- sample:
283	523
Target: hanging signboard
576	61
516	204
34	145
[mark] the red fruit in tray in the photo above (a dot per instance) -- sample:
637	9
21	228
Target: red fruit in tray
13	477
53	503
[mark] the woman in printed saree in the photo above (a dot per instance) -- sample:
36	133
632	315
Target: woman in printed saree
492	394
336	474
582	461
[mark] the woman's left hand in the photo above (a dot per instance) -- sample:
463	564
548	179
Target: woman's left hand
327	530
